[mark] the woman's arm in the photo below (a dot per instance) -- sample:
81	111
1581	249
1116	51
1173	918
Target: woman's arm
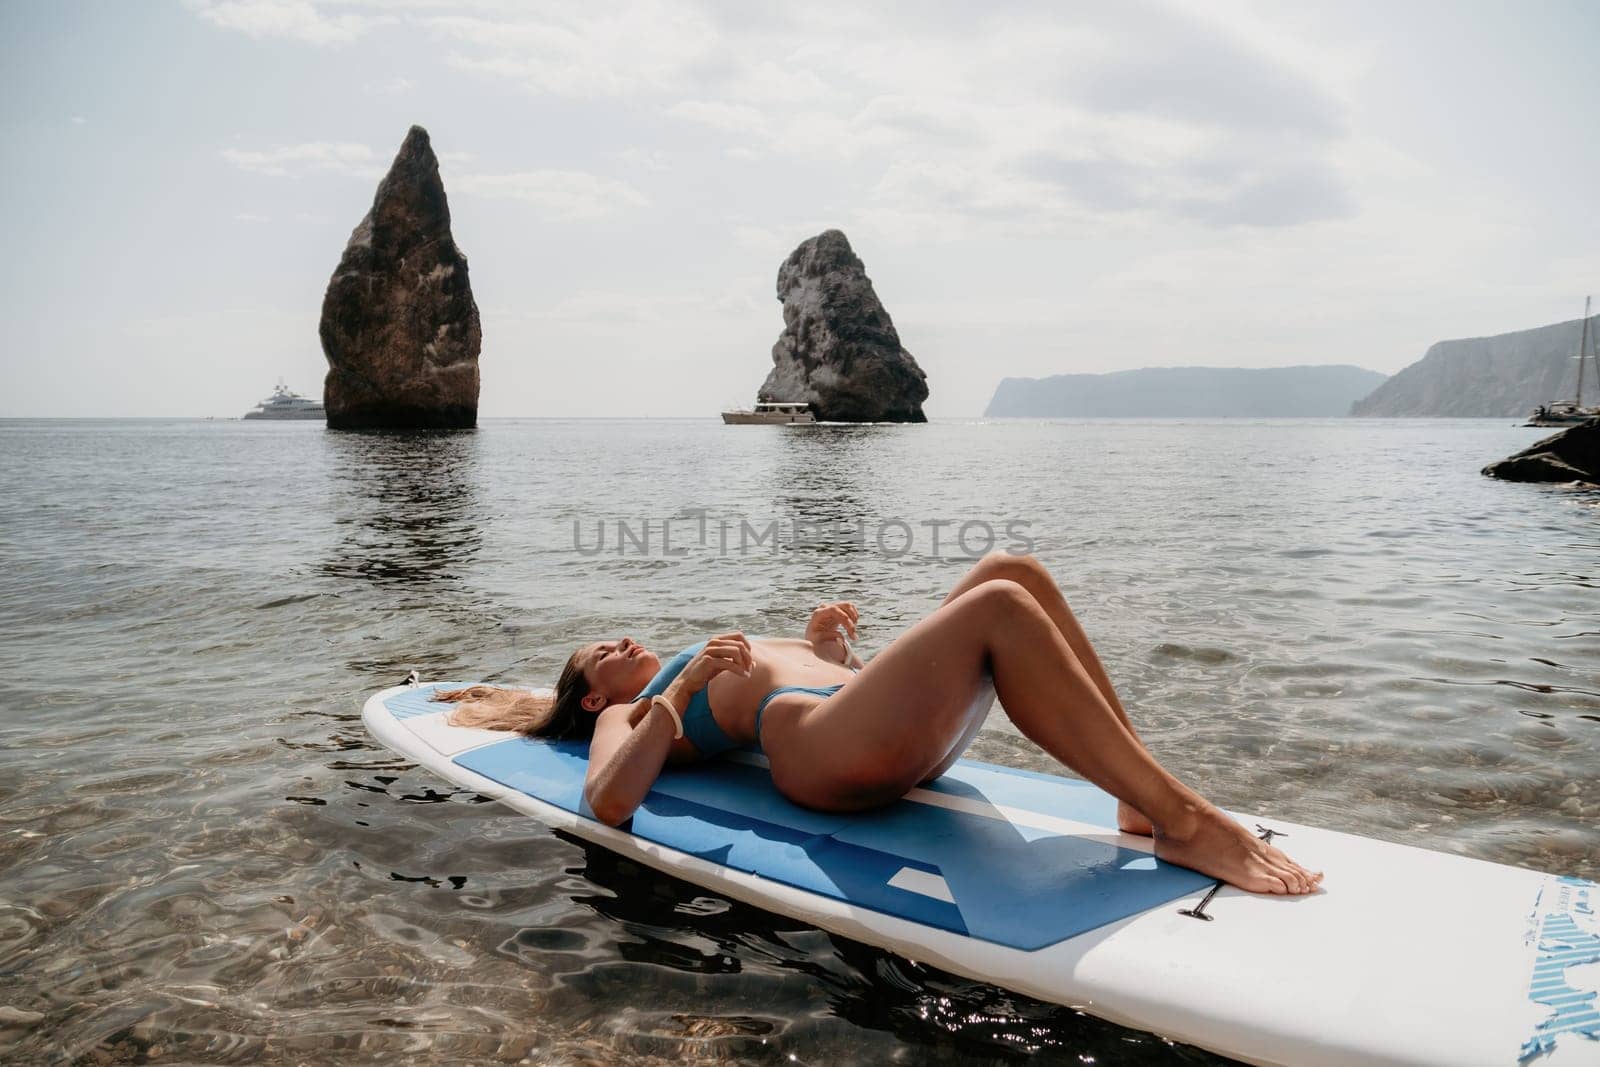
631	741
629	748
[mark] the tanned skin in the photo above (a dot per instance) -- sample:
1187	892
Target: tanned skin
905	717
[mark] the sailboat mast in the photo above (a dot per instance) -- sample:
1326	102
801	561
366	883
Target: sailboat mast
1583	350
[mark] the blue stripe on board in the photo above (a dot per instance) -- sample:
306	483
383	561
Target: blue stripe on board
1561	943
1047	794
1016	886
1067	798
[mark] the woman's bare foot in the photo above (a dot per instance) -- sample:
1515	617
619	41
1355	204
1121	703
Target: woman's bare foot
1131	821
1214	844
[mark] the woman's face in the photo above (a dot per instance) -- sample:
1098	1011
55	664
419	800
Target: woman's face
616	671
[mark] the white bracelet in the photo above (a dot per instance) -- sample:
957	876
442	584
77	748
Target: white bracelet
677	720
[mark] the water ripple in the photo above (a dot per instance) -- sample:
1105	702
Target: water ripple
204	858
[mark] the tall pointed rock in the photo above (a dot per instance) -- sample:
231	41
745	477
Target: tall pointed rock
839	351
399	326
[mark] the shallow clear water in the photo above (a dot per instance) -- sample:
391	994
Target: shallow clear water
204	858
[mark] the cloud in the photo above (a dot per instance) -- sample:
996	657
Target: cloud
313	157
730	118
1108	184
1147	109
1279	196
1159	60
916	118
390	87
556	194
940	198
645	159
1200	188
251	217
760	237
581	49
778	242
298	20
598	309
78	120
218	322
559	195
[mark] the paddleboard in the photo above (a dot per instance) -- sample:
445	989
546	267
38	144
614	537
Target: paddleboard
1407	956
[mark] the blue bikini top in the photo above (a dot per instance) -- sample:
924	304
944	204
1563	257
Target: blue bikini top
699	725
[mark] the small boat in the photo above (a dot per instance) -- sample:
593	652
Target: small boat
771	412
1561	413
1570	412
283	404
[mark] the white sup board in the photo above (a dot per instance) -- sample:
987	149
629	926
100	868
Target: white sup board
1406	956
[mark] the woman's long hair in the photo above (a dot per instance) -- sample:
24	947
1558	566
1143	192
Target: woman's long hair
560	717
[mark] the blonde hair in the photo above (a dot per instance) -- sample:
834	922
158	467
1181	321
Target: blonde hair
558	715
492	708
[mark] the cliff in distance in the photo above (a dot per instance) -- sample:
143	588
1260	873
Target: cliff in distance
1509	374
1196	392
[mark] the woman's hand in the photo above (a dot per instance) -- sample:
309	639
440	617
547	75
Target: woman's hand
827	629
725	652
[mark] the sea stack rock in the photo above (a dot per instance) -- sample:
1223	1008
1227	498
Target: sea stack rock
839	351
399	325
1573	455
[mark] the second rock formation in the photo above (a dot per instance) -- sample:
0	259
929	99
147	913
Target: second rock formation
839	351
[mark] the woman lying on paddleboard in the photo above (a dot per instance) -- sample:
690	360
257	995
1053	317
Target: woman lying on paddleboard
841	735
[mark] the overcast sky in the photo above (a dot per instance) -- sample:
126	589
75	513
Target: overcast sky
1034	188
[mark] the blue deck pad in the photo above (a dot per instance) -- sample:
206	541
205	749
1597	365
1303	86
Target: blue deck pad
1017	886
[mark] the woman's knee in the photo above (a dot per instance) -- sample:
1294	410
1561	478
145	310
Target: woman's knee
1025	570
1002	596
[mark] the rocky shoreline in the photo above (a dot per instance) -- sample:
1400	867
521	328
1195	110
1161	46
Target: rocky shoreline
1573	455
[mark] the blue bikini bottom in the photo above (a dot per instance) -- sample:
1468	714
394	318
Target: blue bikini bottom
819	690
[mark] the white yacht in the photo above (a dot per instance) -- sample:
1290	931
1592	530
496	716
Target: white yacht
283	404
1571	412
770	412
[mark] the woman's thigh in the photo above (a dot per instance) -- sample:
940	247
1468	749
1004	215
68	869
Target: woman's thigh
893	725
974	717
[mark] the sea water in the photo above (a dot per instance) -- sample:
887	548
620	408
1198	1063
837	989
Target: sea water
203	857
